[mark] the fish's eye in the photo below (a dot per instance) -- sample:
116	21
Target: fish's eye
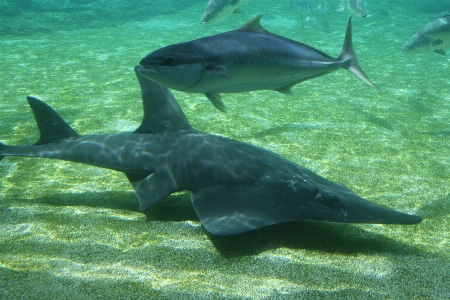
169	61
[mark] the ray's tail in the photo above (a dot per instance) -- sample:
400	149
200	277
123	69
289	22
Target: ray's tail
349	59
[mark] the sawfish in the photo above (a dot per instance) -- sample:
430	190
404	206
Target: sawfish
236	187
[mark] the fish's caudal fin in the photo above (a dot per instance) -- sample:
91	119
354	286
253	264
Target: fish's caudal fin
349	59
51	126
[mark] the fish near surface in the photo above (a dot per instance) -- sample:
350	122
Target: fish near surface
236	187
242	60
218	9
355	7
432	37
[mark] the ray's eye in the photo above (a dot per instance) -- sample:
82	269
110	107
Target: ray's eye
169	61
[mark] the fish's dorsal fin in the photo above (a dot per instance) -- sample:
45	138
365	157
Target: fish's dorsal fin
51	126
161	111
254	25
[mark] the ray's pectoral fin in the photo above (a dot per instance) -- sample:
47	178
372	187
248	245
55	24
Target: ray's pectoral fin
216	100
151	189
225	210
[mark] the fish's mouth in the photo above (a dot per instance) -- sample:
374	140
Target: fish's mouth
146	70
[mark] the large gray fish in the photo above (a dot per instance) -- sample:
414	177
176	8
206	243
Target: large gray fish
356	7
432	37
218	9
236	187
242	60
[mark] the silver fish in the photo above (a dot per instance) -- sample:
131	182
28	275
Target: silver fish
300	5
247	59
432	37
218	9
356	7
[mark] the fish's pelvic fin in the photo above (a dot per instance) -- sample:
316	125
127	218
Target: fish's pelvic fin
287	90
151	188
216	100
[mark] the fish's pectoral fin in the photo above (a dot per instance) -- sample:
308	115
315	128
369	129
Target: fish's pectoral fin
440	51
151	188
238	11
218	70
254	25
287	90
216	100
226	210
437	42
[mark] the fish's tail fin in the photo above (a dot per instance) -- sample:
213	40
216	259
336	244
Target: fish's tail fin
349	59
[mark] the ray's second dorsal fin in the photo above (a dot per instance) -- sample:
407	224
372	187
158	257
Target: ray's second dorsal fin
51	126
161	111
254	25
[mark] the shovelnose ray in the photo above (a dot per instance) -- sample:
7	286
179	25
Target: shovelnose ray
246	59
218	9
236	187
432	37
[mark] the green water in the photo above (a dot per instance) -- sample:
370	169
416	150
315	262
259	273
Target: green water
70	231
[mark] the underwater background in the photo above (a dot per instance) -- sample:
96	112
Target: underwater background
71	231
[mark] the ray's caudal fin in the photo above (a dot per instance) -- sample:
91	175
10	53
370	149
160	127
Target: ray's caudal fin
349	59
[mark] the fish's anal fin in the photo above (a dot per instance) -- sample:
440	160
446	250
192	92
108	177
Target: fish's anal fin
254	25
51	126
440	51
216	100
225	210
151	188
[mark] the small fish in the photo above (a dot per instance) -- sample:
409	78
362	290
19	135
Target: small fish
432	37
218	9
301	6
323	7
356	7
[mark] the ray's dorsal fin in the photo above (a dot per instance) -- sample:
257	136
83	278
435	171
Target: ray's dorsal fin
161	111
51	126
254	25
